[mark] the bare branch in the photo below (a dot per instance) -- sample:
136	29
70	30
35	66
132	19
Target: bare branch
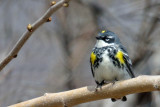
87	94
31	28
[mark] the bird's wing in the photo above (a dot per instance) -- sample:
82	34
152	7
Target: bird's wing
91	67
128	62
93	58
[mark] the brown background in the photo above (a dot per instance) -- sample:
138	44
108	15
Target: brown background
56	57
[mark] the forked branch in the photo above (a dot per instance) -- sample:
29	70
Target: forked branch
30	29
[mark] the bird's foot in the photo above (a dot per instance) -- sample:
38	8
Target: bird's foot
98	86
124	98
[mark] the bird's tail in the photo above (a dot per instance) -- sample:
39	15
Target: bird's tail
124	98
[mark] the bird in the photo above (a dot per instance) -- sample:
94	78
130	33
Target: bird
109	60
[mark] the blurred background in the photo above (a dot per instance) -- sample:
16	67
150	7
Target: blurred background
56	57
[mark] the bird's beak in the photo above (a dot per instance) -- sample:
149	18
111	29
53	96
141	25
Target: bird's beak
98	37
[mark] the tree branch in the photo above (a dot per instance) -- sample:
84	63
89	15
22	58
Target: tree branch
31	28
87	94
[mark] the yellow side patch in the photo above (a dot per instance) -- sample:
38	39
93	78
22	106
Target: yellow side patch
93	58
103	31
119	55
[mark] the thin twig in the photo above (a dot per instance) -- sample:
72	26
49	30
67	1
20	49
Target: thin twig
31	28
87	94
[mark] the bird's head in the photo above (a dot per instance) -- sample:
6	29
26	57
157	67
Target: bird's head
106	38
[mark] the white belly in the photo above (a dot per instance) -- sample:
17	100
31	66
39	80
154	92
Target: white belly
108	72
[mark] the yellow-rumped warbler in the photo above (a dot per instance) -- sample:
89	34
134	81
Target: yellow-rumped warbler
110	61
